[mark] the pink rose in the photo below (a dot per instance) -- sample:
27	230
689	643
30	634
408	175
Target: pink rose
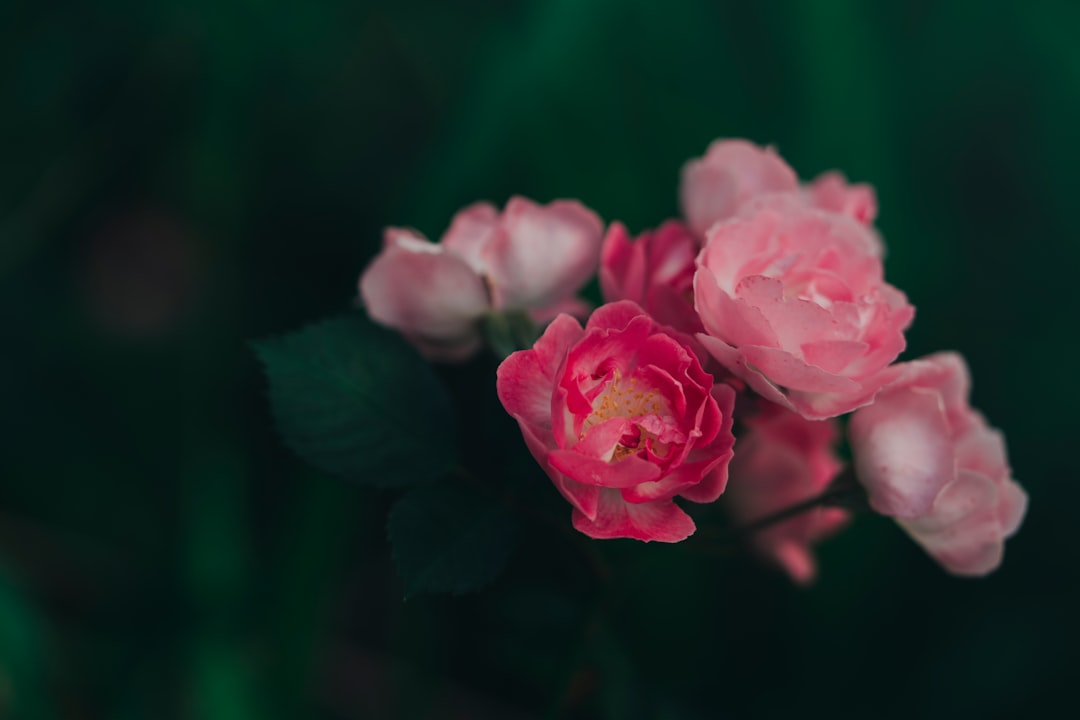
528	258
781	461
794	302
656	271
734	172
929	460
622	418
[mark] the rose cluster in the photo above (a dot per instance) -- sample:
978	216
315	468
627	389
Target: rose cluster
763	310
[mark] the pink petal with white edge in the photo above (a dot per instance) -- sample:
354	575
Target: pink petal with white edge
445	313
471	232
544	254
615	518
903	452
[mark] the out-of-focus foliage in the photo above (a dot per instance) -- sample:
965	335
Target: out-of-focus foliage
178	178
356	401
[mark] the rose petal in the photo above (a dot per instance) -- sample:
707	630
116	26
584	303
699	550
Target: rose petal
903	452
631	470
471	232
730	173
615	518
544	254
445	314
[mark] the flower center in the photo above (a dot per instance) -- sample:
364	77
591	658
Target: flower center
628	399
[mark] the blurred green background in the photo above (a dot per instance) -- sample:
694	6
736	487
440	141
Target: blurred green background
177	178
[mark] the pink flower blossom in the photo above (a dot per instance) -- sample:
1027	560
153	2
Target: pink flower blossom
782	460
528	258
622	418
794	302
734	172
929	460
655	270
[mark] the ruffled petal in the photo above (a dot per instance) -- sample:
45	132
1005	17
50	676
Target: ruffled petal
661	521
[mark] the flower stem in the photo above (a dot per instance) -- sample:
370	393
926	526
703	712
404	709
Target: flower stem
508	332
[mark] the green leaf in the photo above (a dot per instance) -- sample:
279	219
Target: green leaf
357	401
448	539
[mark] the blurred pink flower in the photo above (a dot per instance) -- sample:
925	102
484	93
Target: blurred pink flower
831	191
716	186
655	270
781	461
794	301
530	258
622	418
929	460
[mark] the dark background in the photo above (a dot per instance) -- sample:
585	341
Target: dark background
177	178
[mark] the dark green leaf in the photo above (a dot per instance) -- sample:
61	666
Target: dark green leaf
357	401
448	539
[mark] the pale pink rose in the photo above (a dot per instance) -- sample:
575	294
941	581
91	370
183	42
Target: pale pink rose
734	172
530	257
780	461
794	302
715	186
623	419
929	460
655	270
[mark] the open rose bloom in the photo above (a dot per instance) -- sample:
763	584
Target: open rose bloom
794	301
764	310
623	419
